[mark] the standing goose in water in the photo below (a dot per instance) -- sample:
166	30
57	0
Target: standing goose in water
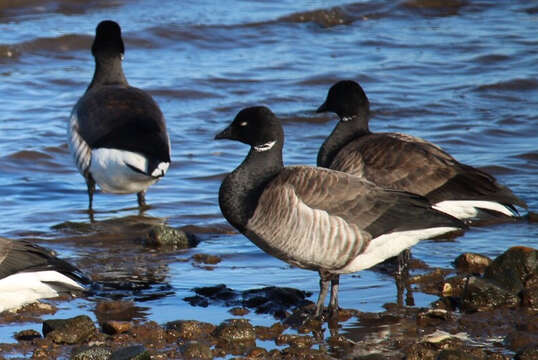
29	272
402	162
314	218
117	133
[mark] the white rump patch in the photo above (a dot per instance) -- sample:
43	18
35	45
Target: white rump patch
265	147
27	287
388	245
160	170
109	168
465	209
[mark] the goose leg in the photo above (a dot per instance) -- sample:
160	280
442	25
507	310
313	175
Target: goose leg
333	302
90	183
141	196
402	278
323	289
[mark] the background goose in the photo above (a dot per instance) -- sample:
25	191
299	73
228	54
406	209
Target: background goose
402	162
29	272
315	218
117	133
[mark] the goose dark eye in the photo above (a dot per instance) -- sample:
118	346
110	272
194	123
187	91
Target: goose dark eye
244	123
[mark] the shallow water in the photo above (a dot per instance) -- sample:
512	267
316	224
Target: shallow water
463	76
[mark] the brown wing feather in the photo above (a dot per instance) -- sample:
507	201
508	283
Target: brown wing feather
407	163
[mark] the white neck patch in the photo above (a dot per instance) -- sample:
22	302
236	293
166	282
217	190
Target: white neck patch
265	147
347	118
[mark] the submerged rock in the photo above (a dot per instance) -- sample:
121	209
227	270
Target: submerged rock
69	331
169	237
27	335
269	300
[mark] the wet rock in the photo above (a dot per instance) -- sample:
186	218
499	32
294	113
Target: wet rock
112	327
303	320
529	295
196	350
269	333
166	236
484	295
91	353
275	300
433	317
74	227
257	353
471	263
236	336
456	354
527	354
206	259
27	335
135	352
512	268
341	345
454	286
191	329
294	340
239	311
432	282
520	340
69	331
421	351
149	333
297	353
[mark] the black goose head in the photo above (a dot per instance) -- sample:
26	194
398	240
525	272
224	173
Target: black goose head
256	126
347	99
108	39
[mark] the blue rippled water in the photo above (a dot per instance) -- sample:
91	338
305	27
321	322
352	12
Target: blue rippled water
462	75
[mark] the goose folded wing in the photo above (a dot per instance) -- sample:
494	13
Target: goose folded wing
123	118
23	256
403	162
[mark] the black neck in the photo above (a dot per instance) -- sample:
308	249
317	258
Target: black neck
242	188
108	71
342	134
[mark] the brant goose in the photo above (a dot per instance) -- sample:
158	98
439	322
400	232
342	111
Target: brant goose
29	272
117	133
315	218
402	162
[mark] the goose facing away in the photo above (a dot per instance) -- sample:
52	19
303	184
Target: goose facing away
315	218
29	272
402	162
117	133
